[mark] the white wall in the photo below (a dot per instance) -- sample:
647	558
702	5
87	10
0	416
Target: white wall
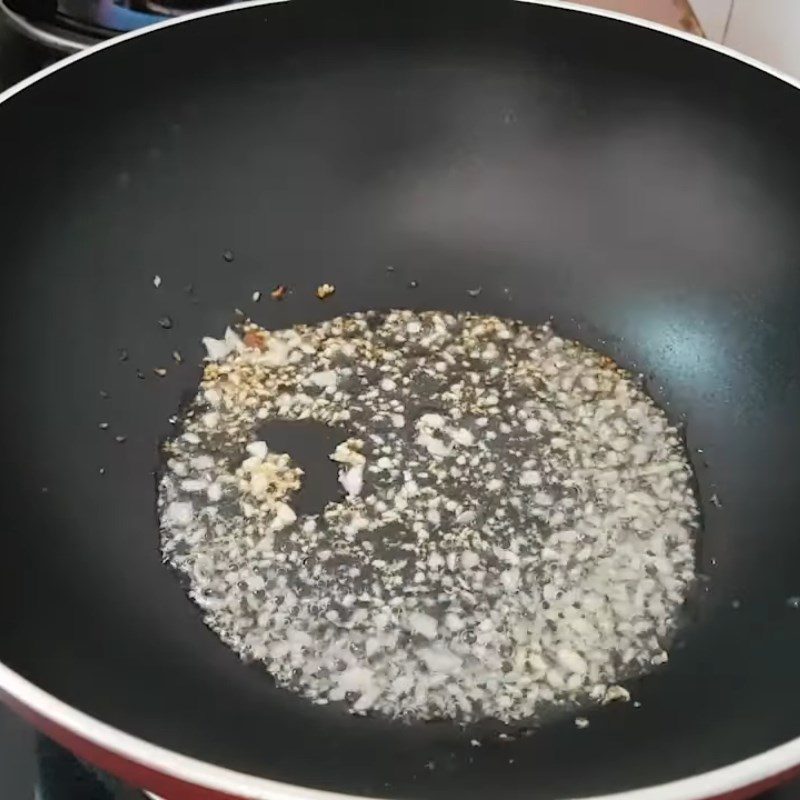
768	30
712	16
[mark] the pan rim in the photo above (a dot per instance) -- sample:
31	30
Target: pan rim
750	771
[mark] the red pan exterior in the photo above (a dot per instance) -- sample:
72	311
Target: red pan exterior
168	788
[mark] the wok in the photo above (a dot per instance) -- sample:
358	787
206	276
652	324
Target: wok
635	185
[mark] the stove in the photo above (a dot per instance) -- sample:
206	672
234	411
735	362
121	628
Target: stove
71	25
34	768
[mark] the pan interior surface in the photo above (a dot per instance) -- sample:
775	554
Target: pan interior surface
640	190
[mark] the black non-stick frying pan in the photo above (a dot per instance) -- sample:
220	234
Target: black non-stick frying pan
642	190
